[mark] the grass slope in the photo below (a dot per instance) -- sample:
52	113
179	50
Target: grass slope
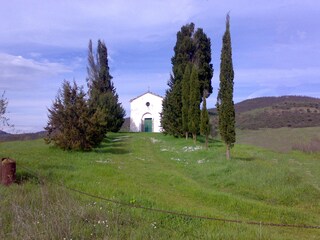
159	171
279	139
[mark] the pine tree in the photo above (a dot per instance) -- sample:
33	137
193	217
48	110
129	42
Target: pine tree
205	124
70	125
102	93
194	104
225	104
186	99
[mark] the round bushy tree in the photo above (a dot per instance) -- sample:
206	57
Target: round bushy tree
70	125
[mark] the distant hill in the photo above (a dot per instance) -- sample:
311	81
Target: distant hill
3	133
21	137
263	112
276	112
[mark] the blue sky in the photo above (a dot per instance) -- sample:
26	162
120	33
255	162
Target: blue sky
276	47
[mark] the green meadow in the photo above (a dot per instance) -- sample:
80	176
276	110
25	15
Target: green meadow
161	172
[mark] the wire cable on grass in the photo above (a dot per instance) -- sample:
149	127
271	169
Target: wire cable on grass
270	224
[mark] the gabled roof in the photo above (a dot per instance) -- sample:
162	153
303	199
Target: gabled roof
145	94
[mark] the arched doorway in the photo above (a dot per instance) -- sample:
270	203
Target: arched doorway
147	123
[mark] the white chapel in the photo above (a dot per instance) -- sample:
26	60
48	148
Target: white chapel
146	113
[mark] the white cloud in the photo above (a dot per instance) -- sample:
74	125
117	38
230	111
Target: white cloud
17	72
30	86
263	92
72	23
25	123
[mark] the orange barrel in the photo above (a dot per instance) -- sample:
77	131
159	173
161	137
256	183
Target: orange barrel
8	171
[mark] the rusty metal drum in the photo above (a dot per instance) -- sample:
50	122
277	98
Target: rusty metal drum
8	171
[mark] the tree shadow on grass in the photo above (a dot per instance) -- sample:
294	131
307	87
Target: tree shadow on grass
246	159
113	145
211	142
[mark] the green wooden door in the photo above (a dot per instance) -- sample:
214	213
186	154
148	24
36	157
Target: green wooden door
148	124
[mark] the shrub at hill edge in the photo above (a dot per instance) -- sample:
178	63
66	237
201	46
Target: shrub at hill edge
70	125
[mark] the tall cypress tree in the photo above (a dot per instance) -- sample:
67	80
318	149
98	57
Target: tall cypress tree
186	99
102	93
191	48
172	103
202	59
194	104
225	104
205	124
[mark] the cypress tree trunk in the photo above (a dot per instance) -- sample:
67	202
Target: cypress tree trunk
185	99
228	152
205	122
207	139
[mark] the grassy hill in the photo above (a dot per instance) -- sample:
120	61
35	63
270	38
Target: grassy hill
162	172
276	112
282	139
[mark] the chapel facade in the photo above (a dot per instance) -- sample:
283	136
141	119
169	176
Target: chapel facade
145	113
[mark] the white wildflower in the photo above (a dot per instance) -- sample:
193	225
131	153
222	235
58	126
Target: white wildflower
191	148
154	225
154	140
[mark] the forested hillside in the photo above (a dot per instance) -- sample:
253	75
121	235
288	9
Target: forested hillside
276	112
